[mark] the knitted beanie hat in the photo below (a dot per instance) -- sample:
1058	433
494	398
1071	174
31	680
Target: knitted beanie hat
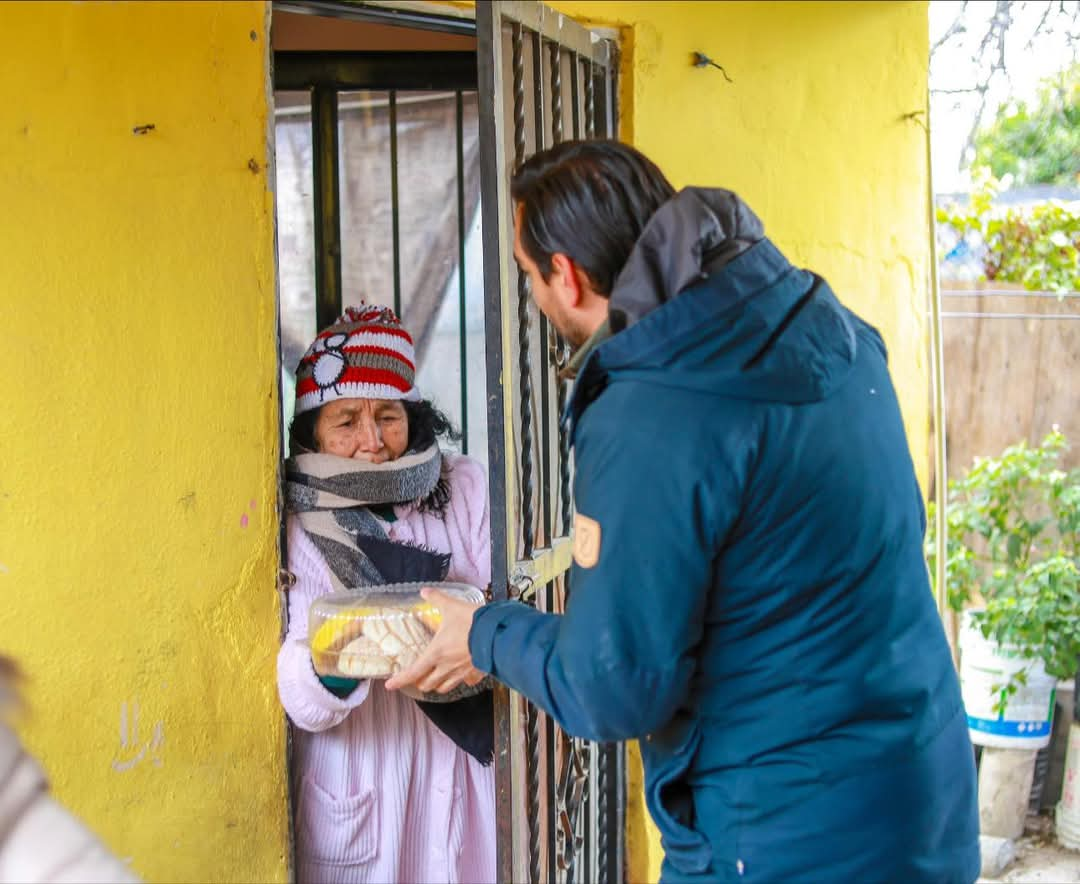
364	354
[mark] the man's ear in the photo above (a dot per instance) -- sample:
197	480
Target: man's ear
566	278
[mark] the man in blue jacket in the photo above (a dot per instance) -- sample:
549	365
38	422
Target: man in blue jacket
749	596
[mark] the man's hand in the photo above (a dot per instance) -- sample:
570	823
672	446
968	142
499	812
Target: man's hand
446	663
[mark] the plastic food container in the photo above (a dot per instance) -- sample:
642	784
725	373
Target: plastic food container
375	632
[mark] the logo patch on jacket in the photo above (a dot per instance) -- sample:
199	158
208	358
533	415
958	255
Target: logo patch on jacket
586	541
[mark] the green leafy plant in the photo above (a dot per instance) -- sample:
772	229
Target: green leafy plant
1036	142
1038	247
1013	548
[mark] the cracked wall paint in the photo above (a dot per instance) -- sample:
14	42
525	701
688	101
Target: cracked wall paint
140	317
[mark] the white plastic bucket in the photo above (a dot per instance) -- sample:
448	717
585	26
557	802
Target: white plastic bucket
985	668
1067	818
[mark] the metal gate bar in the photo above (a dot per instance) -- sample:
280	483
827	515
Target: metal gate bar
377	71
324	149
459	146
572	829
548	524
524	369
395	202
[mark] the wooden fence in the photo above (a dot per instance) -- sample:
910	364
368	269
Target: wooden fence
1012	359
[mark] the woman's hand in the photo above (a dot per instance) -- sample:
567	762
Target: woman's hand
446	663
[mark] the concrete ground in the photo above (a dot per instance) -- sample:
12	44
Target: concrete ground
1040	859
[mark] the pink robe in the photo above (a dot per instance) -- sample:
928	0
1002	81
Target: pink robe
382	794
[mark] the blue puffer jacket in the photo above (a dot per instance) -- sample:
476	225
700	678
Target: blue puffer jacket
759	613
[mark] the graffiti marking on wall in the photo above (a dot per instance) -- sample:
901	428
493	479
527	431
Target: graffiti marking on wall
131	751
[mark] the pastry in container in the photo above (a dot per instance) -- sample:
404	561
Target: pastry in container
376	631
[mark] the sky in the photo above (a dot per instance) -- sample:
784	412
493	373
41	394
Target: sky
951	116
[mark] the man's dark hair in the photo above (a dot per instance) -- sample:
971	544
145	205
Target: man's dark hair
426	425
589	200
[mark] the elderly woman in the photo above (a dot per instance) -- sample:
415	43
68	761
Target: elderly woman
387	788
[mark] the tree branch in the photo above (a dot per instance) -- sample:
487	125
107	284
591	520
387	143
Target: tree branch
1039	27
957	27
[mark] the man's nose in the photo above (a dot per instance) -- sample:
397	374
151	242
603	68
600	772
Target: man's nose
370	439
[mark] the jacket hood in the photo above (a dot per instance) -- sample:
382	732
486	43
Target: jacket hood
696	231
705	302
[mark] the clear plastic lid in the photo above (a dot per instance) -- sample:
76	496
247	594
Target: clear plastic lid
377	631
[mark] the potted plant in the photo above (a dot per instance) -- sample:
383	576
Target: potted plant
1013	547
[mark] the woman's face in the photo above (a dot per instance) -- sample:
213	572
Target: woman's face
375	430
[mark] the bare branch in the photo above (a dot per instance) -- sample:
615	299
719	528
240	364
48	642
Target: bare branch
991	33
1003	29
1040	26
989	54
957	27
991	47
966	91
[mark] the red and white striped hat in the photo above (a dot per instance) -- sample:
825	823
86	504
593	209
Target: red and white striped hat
365	354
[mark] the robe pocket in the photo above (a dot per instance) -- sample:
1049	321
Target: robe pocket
337	831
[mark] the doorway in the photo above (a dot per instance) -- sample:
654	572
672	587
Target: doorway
396	132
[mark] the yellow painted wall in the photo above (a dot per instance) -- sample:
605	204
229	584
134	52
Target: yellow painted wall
811	135
138	443
138	437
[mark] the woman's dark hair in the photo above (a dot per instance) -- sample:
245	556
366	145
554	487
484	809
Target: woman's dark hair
426	426
589	200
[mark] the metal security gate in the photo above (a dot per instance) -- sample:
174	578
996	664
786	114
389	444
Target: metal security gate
561	801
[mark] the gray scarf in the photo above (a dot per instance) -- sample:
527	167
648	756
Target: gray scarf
332	496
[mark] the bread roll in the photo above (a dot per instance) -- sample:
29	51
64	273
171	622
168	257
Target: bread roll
362	658
372	641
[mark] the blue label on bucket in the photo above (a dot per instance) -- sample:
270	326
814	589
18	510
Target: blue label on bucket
1010	728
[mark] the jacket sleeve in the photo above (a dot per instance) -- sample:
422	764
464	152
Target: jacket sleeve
618	664
310	705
